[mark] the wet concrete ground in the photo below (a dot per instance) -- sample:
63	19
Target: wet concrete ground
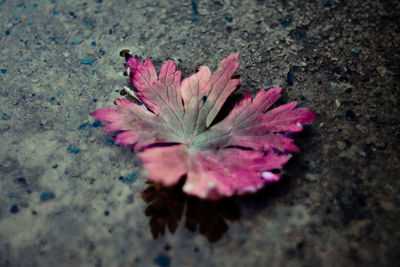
71	197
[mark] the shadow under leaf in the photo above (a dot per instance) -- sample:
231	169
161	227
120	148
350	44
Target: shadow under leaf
166	206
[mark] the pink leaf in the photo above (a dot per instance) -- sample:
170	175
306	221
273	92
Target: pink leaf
237	155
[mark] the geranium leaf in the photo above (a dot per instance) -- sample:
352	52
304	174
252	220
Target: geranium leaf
174	135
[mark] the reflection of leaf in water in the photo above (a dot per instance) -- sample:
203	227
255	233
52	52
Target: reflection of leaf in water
165	209
166	206
210	216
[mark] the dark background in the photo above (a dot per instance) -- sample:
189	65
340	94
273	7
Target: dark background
70	197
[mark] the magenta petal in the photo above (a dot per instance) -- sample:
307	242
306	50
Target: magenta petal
165	165
107	114
126	138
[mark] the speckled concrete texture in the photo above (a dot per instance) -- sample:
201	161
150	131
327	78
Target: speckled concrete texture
70	196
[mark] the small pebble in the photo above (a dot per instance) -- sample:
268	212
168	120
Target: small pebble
341	145
312	177
381	70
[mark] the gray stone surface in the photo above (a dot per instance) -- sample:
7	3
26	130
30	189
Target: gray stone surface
70	197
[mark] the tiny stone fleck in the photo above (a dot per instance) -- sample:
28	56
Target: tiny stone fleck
14	209
87	61
47	196
162	261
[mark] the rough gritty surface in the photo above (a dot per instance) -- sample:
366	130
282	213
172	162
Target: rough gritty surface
70	197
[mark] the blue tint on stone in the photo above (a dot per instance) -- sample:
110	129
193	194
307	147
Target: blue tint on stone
289	78
21	180
229	18
82	126
162	261
77	40
194	6
109	141
73	150
87	61
47	196
96	124
14	209
12	195
130	179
